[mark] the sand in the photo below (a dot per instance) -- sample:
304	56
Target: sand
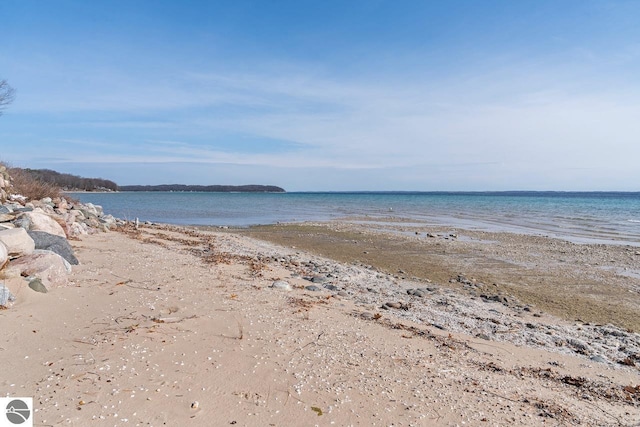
173	327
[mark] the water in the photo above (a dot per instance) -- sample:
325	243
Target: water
581	217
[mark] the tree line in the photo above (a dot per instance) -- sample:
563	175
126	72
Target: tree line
70	182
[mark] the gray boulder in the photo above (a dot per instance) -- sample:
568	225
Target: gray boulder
54	243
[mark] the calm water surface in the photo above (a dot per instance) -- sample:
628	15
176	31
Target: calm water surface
594	217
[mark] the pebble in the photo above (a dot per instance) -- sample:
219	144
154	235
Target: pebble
313	288
37	285
416	292
281	284
6	296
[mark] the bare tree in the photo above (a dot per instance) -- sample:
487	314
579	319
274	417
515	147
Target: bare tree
7	94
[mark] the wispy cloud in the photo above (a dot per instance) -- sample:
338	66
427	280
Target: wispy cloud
503	114
483	117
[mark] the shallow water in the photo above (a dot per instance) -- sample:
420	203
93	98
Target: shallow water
580	217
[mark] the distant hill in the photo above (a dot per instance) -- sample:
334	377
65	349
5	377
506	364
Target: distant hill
205	188
68	182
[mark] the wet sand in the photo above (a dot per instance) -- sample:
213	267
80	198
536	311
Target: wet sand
588	282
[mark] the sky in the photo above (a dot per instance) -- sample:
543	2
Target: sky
327	95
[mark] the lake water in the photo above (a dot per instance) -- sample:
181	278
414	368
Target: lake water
592	217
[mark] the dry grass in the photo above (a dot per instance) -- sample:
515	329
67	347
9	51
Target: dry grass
33	189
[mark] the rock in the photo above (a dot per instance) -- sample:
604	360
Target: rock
393	305
18	242
109	221
599	359
281	284
495	298
313	288
43	222
48	266
78	229
416	292
61	204
54	243
578	345
89	209
5	209
17	198
462	279
6	217
331	287
21	208
37	285
367	316
4	255
6	297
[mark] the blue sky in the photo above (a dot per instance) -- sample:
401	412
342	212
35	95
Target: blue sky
327	95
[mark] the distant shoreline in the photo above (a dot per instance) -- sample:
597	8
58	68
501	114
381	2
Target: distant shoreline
252	188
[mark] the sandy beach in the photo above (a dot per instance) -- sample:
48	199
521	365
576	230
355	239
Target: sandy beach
168	326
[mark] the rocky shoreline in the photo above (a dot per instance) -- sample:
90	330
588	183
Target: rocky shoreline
34	247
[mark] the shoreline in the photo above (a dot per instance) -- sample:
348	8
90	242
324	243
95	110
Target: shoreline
588	282
173	325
